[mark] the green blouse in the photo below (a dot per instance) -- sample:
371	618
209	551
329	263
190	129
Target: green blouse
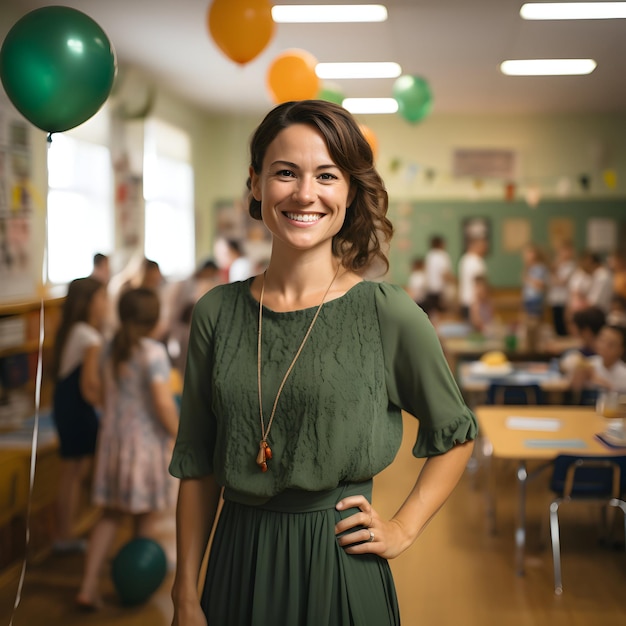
372	353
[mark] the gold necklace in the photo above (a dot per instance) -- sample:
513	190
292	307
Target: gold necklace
265	452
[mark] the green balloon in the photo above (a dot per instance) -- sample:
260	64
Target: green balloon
57	66
331	94
138	570
414	98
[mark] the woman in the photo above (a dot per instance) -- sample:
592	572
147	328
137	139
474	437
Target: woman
293	393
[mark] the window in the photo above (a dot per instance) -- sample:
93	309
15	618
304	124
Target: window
80	214
169	196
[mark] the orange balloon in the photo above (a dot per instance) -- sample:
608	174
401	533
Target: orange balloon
370	137
241	28
291	76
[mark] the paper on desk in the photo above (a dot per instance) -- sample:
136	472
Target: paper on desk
533	423
557	444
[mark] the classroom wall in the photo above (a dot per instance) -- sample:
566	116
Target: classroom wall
417	220
553	152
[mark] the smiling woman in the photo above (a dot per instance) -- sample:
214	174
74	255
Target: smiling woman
349	155
303	194
294	388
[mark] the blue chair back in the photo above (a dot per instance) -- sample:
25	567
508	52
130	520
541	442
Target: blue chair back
586	397
506	393
588	481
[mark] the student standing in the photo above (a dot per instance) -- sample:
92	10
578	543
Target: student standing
438	269
139	422
562	270
76	396
471	265
534	281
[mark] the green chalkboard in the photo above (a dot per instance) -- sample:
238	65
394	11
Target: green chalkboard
416	222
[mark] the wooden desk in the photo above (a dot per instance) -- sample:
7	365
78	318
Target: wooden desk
575	432
473	380
458	347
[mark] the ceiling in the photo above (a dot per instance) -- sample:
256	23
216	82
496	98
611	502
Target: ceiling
457	45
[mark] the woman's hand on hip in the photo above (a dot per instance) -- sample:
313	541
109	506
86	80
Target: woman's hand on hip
365	532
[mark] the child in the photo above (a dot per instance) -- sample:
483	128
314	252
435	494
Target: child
139	422
481	309
562	269
617	312
77	392
586	325
606	370
416	286
535	281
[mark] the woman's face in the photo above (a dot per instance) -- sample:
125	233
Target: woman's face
303	194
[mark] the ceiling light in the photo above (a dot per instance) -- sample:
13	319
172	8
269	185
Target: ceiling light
548	67
370	105
573	10
358	70
317	13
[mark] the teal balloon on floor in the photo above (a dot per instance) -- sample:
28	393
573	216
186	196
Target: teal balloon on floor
138	570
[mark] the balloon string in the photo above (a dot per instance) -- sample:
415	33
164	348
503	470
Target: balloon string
35	437
49	138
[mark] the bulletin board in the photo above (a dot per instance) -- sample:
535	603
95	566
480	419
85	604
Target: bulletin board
16	205
515	234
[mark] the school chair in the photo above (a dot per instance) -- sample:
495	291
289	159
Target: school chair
597	479
508	393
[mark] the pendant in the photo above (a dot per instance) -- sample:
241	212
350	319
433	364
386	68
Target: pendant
264	455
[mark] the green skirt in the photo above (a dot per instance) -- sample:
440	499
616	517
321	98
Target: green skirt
280	564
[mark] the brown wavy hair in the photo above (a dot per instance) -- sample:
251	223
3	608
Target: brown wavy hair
80	293
366	228
138	311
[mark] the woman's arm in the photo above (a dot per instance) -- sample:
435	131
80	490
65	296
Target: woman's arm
90	386
436	481
195	514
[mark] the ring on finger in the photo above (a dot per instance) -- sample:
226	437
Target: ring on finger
371	535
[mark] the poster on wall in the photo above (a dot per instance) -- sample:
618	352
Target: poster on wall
560	230
16	205
601	234
515	234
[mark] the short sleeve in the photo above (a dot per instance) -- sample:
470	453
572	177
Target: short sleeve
195	442
81	338
418	378
157	361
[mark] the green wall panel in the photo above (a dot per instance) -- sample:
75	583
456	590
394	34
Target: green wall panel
416	221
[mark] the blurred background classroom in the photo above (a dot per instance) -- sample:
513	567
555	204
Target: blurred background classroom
508	198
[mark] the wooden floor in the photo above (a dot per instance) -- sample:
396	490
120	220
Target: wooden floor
457	573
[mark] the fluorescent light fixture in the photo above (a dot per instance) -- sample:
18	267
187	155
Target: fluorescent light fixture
573	10
548	67
358	70
370	105
318	13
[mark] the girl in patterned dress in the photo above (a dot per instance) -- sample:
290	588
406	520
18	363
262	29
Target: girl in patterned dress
138	424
